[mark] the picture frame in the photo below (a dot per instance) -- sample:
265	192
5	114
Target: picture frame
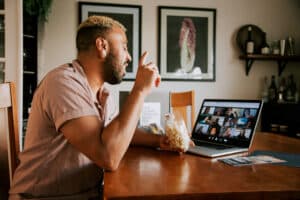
187	43
130	17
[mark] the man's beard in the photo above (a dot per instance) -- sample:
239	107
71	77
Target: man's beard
112	74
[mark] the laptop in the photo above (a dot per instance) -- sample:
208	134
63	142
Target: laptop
225	127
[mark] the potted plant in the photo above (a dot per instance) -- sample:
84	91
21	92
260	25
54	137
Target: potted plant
39	8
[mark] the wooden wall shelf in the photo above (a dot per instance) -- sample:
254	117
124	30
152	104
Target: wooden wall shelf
281	60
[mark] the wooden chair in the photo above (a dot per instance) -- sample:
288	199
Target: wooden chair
182	103
9	135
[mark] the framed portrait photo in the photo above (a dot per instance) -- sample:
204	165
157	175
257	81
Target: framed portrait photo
187	43
130	17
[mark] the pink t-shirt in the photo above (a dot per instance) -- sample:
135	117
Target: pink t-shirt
50	166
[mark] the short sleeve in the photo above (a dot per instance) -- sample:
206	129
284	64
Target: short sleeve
67	97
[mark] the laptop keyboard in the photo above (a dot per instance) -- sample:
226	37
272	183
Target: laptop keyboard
215	146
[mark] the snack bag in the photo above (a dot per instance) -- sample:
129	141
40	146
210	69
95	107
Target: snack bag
177	132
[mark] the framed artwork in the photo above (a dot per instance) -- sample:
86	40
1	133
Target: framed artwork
130	17
187	43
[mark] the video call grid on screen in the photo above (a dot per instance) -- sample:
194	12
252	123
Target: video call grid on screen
227	122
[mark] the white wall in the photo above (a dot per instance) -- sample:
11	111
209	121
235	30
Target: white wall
278	18
12	41
13	50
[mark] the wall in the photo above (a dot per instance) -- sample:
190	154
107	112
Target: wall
13	49
278	18
13	41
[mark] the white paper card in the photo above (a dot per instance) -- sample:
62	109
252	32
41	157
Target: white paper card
251	160
150	113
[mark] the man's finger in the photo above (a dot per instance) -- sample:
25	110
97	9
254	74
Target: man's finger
143	58
192	144
157	81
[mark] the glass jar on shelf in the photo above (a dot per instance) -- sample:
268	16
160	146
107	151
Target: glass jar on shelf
275	48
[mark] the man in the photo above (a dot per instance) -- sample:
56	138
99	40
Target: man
72	133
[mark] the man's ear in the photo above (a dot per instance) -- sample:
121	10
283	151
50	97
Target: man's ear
102	46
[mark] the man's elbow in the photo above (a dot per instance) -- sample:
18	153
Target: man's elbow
112	167
111	164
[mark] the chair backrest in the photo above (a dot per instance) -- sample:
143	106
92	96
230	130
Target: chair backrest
182	103
9	134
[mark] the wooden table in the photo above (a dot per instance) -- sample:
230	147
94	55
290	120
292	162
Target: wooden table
151	174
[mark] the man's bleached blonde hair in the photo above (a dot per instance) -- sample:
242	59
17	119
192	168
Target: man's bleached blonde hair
92	28
101	22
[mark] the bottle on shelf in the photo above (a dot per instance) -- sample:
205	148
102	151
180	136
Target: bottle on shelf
265	48
282	91
273	90
290	46
249	42
291	89
265	92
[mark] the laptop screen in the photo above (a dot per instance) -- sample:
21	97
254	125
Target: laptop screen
230	122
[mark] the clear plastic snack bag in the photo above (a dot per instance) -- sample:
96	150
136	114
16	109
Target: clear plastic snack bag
177	132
